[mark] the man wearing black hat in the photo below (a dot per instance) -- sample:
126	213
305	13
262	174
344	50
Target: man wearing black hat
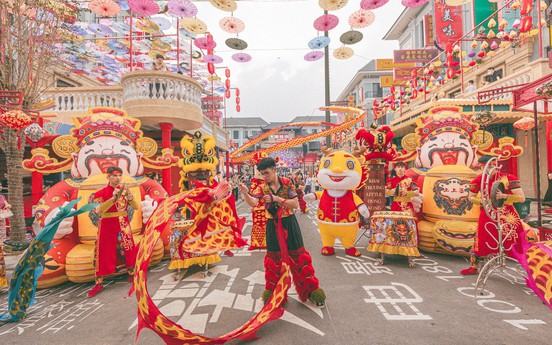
485	241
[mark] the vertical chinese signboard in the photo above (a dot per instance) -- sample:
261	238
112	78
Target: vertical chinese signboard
374	189
447	23
429	35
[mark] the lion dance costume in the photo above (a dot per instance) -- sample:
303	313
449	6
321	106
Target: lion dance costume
258	212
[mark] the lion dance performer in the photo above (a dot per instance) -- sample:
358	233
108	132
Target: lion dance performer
102	138
258	212
485	242
282	229
340	174
114	234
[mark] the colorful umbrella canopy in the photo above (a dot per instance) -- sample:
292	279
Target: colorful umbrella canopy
161	45
332	5
413	3
117	46
314	55
319	42
162	22
343	53
351	37
120	27
232	25
105	8
143	7
241	57
100	29
361	19
78	29
326	22
195	25
124	5
236	43
205	43
182	8
372	4
147	25
212	59
225	5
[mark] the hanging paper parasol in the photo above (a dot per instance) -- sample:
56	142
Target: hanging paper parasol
236	43
141	46
241	57
143	7
343	53
117	46
105	8
319	42
372	4
332	5
225	5
162	22
351	37
205	43
147	25
413	3
195	25
100	29
326	22
232	25
212	59
120	27
458	2
160	45
153	54
361	19
124	5
182	8
143	58
314	55
78	29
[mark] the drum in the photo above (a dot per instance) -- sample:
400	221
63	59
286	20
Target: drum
393	233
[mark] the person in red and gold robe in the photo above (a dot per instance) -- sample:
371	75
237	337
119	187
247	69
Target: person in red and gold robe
258	213
402	188
299	188
114	244
486	237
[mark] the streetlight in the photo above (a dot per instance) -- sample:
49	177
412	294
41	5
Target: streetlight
228	94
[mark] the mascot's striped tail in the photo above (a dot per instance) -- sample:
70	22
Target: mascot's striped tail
29	268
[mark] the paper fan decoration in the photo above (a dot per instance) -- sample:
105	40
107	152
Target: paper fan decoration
147	25
413	3
457	2
351	37
236	43
212	58
343	53
195	25
319	42
117	46
314	55
225	5
372	4
205	43
120	27
332	5
104	8
100	29
182	8
161	45
232	25
326	22
143	7
361	19
241	57
162	22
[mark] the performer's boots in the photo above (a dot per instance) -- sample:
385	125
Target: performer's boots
473	269
327	251
303	276
98	287
352	251
272	264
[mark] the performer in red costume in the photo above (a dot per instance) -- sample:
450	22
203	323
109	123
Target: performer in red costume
402	189
299	188
485	242
115	242
258	211
281	200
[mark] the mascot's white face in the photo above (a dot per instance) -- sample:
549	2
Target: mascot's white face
446	148
339	170
98	154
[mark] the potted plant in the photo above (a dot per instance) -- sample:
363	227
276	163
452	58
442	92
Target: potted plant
545	90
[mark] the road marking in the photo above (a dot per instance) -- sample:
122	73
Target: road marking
519	323
392	297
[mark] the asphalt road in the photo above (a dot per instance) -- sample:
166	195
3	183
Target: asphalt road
367	304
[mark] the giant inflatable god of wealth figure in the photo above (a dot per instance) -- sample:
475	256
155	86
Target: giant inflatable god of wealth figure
445	147
101	138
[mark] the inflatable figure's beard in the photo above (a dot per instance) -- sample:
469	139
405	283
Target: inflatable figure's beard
449	156
105	161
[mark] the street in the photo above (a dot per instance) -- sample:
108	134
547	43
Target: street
367	304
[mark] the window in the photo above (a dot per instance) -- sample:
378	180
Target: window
314	130
373	90
254	133
245	134
235	134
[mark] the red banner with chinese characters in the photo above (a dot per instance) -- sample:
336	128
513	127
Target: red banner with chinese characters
429	31
447	23
403	73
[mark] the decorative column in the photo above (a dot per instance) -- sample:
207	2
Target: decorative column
166	144
549	144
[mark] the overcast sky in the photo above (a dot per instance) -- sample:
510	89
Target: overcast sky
278	84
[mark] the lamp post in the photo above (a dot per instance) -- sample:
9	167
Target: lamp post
227	94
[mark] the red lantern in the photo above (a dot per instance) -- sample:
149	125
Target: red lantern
237	92
238	108
414	94
448	48
210	52
526	7
209	37
526	24
16	119
227	83
237	100
227	93
450	73
211	68
227	73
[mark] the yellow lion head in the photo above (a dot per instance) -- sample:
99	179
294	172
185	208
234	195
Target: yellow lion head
340	170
